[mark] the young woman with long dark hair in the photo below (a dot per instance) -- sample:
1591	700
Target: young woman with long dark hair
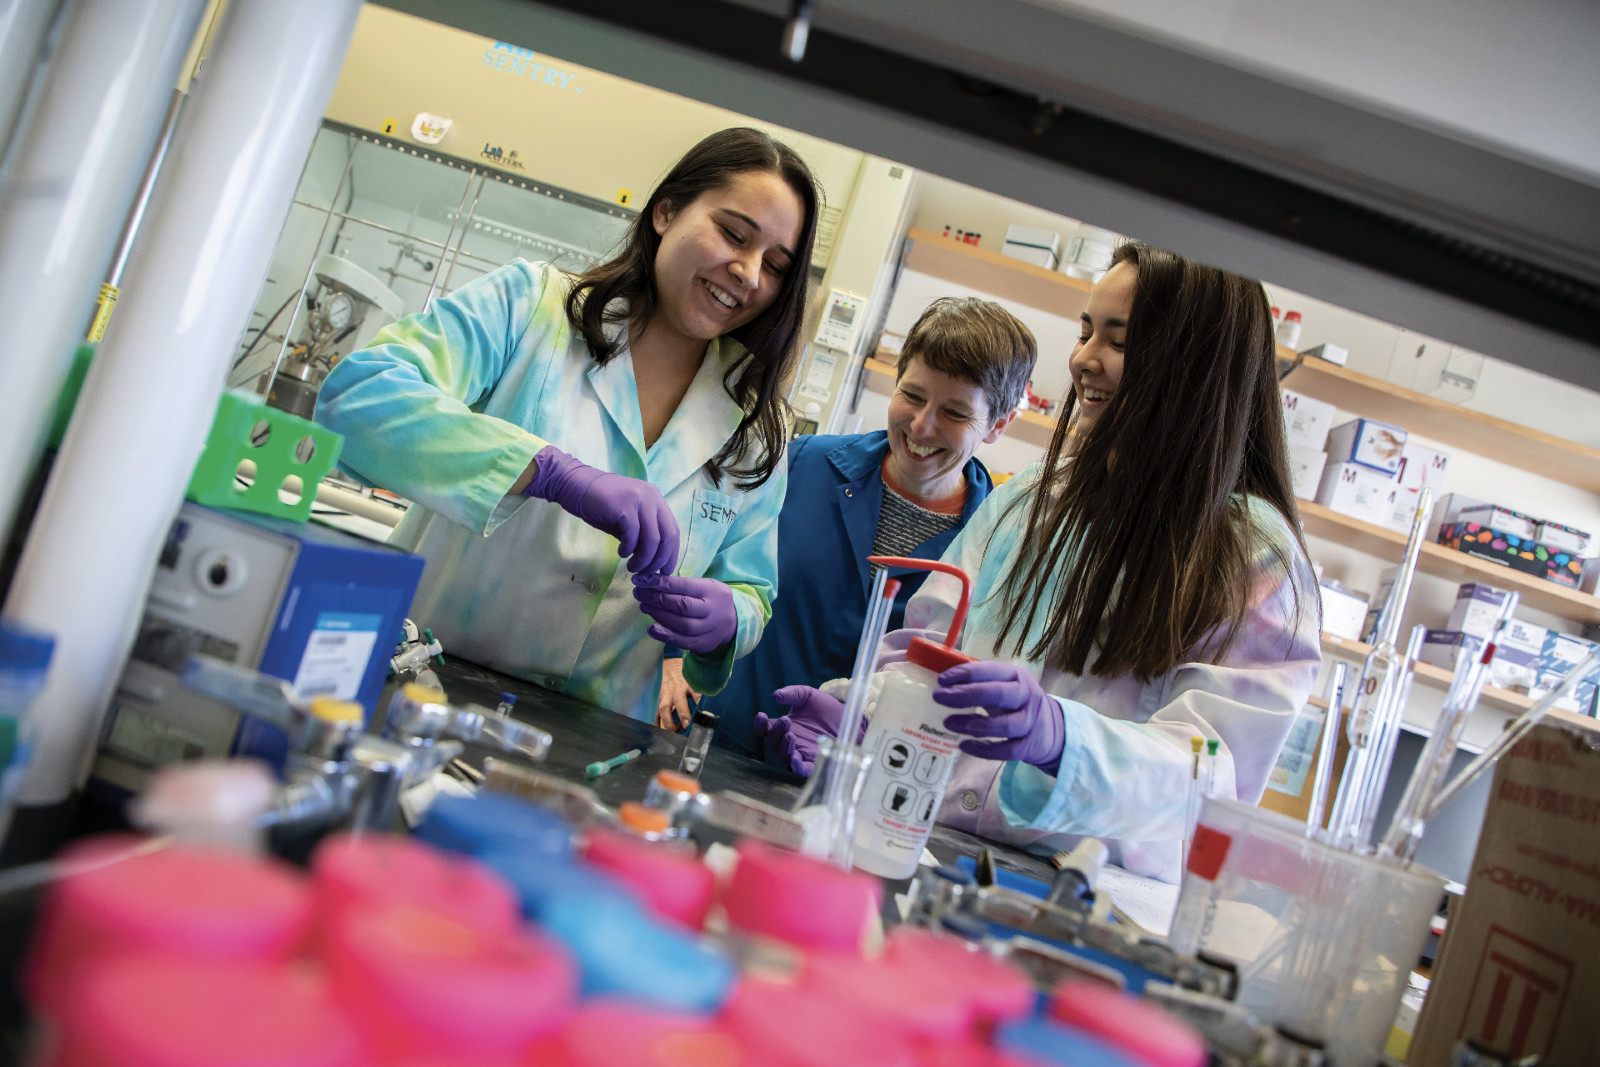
1144	585
548	423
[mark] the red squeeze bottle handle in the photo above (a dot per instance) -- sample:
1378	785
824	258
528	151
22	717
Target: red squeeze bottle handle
960	617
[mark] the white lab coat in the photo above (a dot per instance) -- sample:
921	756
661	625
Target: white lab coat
1126	767
449	407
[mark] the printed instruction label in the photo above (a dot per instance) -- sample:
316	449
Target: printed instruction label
336	654
910	769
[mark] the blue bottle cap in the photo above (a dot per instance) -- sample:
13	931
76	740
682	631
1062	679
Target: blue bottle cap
508	698
1050	1042
490	821
624	952
23	648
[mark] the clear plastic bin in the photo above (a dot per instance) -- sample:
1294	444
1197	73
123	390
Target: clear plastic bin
1324	938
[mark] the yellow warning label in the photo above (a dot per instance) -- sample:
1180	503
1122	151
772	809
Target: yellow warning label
389	126
103	307
624	197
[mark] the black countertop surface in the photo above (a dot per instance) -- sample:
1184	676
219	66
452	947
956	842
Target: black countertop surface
584	734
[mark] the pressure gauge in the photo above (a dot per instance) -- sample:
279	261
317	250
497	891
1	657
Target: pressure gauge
338	311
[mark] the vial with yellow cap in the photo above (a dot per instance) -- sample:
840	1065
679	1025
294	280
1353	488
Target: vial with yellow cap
330	726
417	712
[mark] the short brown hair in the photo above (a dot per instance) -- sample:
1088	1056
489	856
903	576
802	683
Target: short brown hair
977	341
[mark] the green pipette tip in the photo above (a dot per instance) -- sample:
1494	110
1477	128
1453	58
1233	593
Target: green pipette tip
595	770
1211	746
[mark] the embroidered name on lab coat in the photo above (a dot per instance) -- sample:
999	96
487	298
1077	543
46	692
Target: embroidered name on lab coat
717	512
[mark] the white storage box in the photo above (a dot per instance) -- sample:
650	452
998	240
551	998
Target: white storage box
1405	509
1501	519
1476	609
1305	468
1306	420
1343	613
1332	353
1033	245
1441	647
1372	444
1357	491
1422	467
1564	539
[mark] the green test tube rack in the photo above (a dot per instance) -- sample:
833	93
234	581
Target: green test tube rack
280	445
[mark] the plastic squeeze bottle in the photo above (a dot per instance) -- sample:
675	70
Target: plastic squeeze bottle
912	753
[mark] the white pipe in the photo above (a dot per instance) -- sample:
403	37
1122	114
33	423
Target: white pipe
74	176
150	396
24	24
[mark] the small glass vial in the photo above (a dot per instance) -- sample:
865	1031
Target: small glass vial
701	728
507	702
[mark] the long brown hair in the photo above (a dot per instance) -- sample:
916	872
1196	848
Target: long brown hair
1150	509
623	290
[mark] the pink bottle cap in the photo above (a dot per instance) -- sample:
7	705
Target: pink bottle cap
1144	1032
619	1034
787	1026
169	1011
996	989
180	900
674	885
378	870
425	983
917	1004
803	901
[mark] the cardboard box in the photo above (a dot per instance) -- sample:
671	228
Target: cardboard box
1442	647
1039	257
1422	467
1372	444
1514	669
1330	352
1357	491
1520	961
1559	538
1559	653
1032	245
1305	467
1560	567
1581	702
1497	546
1404	511
1306	419
1496	517
1477	609
1447	509
1343	613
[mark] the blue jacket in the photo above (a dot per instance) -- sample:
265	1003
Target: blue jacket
825	533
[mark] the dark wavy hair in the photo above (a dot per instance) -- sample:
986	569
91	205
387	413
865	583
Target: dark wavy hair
1150	510
623	290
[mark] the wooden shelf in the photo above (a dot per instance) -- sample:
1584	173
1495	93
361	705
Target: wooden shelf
1442	562
1030	426
991	272
1450	424
1427	674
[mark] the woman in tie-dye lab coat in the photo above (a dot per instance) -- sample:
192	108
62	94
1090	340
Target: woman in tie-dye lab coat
596	459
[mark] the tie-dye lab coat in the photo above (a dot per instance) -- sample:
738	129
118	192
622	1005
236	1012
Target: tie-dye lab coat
1127	763
448	408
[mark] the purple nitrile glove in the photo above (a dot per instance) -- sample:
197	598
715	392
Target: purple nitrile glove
631	510
1020	713
696	614
892	649
792	738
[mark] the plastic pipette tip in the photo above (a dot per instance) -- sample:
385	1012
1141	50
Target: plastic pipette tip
596	769
1212	745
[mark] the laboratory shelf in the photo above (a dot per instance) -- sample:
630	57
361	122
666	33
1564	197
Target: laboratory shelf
991	272
1427	674
1442	562
1450	424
